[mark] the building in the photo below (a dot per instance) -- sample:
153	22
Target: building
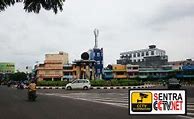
69	72
119	71
108	73
6	68
84	69
184	69
151	57
52	68
96	54
132	70
155	73
177	65
186	72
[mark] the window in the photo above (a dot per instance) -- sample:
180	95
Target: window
98	54
134	55
147	53
76	81
135	68
138	60
142	54
98	62
152	52
138	54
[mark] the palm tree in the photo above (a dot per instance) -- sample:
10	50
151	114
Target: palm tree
34	5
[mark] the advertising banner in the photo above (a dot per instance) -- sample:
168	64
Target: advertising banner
7	67
157	102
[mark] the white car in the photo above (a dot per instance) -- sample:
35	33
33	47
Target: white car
79	84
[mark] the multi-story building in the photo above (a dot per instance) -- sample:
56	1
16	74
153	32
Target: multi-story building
52	68
119	71
107	74
177	65
132	70
151	57
186	72
69	71
184	69
155	73
96	54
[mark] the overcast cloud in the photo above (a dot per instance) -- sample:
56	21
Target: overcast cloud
124	25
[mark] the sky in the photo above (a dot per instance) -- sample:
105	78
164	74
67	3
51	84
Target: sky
124	25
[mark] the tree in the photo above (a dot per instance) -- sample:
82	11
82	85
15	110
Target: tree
18	76
34	5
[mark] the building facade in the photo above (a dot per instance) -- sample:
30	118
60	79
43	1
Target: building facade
69	71
151	57
52	68
96	54
132	70
177	65
119	71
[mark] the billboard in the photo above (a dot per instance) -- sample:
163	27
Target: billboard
157	102
7	67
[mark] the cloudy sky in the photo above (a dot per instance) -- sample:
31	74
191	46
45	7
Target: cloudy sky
124	25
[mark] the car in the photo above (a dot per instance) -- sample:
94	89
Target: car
173	83
79	84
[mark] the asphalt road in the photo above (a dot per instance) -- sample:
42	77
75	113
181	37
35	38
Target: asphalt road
62	104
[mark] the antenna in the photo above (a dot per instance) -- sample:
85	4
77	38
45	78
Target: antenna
96	33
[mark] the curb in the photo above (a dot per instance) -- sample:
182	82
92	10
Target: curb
166	84
111	87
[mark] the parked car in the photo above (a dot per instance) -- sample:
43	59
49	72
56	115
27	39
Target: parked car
79	84
173	83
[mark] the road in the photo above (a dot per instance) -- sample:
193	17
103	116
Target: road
61	104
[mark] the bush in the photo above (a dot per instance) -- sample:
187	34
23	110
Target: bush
99	82
51	83
115	82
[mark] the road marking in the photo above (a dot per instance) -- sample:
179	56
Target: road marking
190	105
187	117
190	109
114	99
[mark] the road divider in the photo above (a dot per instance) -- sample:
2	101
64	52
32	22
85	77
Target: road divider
110	87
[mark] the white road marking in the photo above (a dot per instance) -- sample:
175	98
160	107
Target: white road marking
190	109
190	106
114	99
187	117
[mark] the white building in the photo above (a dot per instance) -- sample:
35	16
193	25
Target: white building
144	56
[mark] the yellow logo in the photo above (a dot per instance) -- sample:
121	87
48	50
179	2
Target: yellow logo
141	101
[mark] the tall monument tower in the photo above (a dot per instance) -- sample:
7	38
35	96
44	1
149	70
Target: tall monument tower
96	33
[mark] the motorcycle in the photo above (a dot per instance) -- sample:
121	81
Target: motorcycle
20	86
32	95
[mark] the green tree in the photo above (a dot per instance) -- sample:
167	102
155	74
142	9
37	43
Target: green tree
18	76
34	5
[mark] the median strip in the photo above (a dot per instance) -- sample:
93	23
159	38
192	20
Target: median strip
112	87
